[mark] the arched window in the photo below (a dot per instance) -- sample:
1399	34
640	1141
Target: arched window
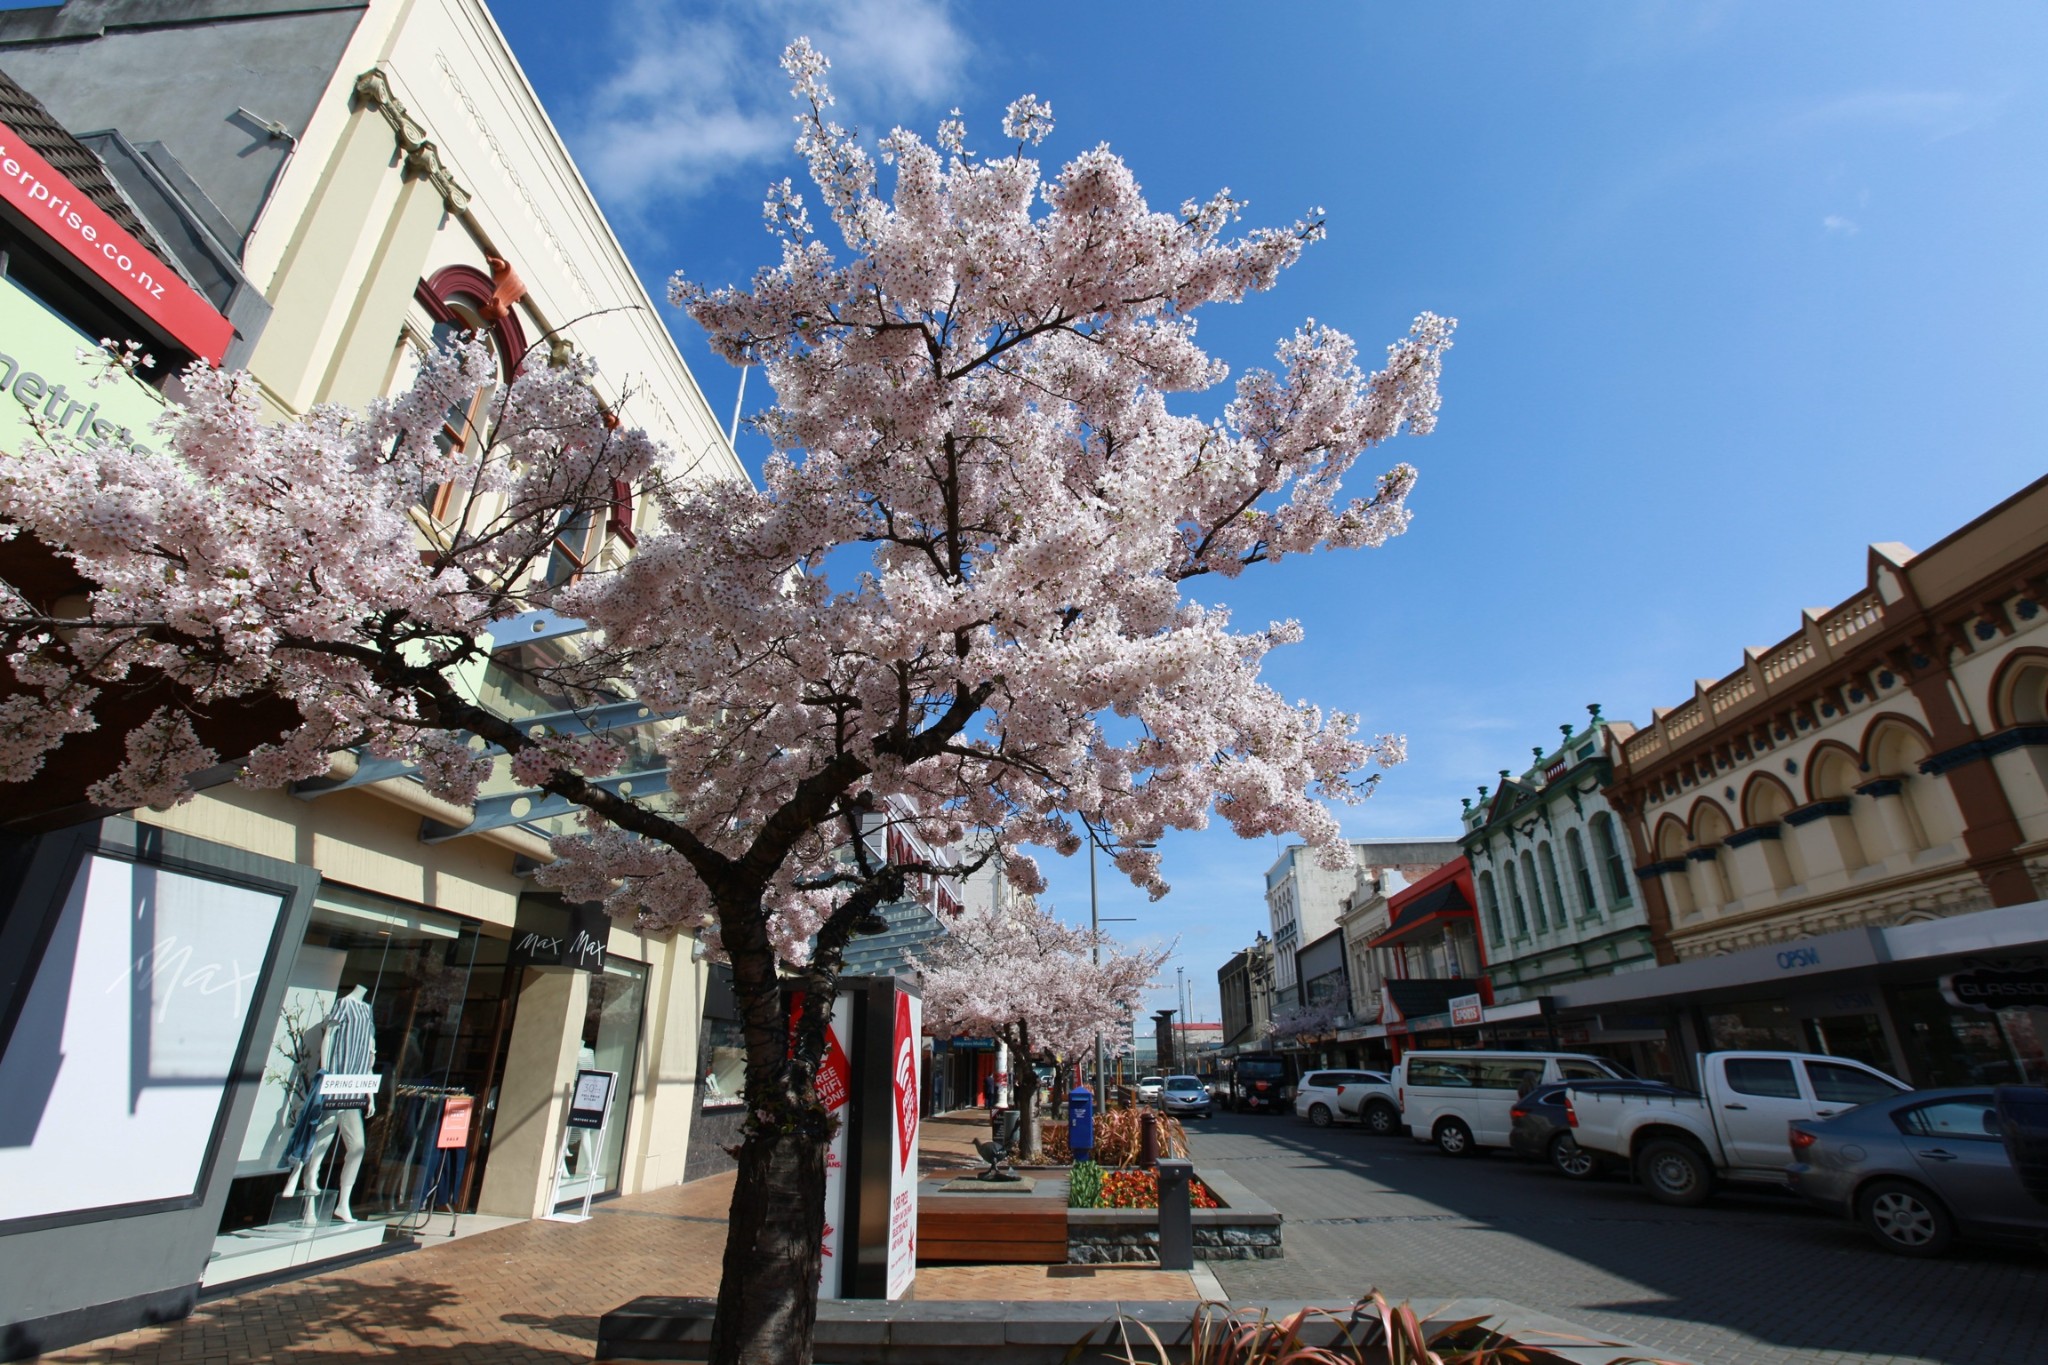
1535	889
462	300
1490	904
1582	876
1559	912
1515	902
1671	844
1608	850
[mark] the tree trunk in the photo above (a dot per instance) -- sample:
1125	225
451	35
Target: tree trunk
768	1287
1027	1095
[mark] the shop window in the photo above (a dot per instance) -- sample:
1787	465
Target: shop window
1769	1077
1948	1045
313	1180
1755	1026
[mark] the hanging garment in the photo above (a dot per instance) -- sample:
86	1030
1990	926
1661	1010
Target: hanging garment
351	1038
300	1144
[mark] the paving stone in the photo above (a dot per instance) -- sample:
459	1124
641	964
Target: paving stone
1752	1279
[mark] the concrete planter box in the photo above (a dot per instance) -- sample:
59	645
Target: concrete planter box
1246	1228
911	1332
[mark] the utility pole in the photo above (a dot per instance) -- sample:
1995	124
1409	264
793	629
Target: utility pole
1095	949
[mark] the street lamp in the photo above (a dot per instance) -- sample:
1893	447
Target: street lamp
1095	922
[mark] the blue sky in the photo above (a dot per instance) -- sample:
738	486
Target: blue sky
1741	288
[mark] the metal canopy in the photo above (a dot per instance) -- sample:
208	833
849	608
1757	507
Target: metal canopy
522	807
596	720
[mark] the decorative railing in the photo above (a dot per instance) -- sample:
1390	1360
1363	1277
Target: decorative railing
1730	693
1852	618
1787	658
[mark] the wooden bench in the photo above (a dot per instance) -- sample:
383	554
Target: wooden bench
1010	1229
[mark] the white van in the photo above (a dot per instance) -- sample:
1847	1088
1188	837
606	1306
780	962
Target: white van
1461	1101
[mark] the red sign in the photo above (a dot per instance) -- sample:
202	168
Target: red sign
835	1073
455	1113
904	1080
82	230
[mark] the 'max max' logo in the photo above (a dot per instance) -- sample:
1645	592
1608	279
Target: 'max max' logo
580	949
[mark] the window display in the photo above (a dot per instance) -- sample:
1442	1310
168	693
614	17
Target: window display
380	990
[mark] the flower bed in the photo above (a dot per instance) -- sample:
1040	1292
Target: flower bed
1140	1190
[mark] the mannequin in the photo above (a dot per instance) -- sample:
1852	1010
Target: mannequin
351	1048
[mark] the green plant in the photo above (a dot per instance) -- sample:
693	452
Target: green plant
1084	1186
1371	1332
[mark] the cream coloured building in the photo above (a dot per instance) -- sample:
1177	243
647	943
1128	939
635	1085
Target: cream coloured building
345	183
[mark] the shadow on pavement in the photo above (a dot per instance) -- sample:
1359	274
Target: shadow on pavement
334	1320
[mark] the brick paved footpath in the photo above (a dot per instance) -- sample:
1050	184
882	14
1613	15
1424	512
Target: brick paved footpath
531	1293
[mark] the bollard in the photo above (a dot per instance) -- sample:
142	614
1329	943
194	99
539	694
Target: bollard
1148	1139
1176	1216
1081	1123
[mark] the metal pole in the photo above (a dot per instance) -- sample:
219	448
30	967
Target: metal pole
1095	951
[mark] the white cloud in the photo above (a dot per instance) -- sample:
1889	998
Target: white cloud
1840	226
699	95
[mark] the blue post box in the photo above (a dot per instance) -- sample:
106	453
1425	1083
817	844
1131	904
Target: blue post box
1081	1123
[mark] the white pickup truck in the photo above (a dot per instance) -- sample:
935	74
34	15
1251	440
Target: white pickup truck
1735	1130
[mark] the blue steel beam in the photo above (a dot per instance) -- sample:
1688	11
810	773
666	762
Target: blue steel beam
495	812
532	627
597	720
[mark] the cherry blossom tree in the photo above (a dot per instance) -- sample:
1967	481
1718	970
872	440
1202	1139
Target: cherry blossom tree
1317	1020
971	401
1021	976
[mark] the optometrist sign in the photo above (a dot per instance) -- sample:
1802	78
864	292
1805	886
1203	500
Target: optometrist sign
82	230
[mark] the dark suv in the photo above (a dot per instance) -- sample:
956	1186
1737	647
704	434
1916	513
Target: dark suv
1542	1133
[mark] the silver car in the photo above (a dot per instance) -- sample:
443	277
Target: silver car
1917	1171
1187	1095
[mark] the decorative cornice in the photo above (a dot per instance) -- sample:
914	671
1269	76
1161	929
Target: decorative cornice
1806	815
2018	737
1883	786
422	158
1751	835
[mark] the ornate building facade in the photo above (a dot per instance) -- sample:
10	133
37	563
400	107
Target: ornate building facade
1557	893
1884	764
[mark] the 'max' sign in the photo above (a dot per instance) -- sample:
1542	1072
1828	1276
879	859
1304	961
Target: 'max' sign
578	948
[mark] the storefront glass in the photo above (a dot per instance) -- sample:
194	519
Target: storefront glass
1950	1045
611	1042
377	987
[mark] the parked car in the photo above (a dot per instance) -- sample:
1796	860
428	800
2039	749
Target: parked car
1149	1088
1735	1129
1462	1101
1917	1171
1319	1096
1187	1095
1542	1130
1372	1104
